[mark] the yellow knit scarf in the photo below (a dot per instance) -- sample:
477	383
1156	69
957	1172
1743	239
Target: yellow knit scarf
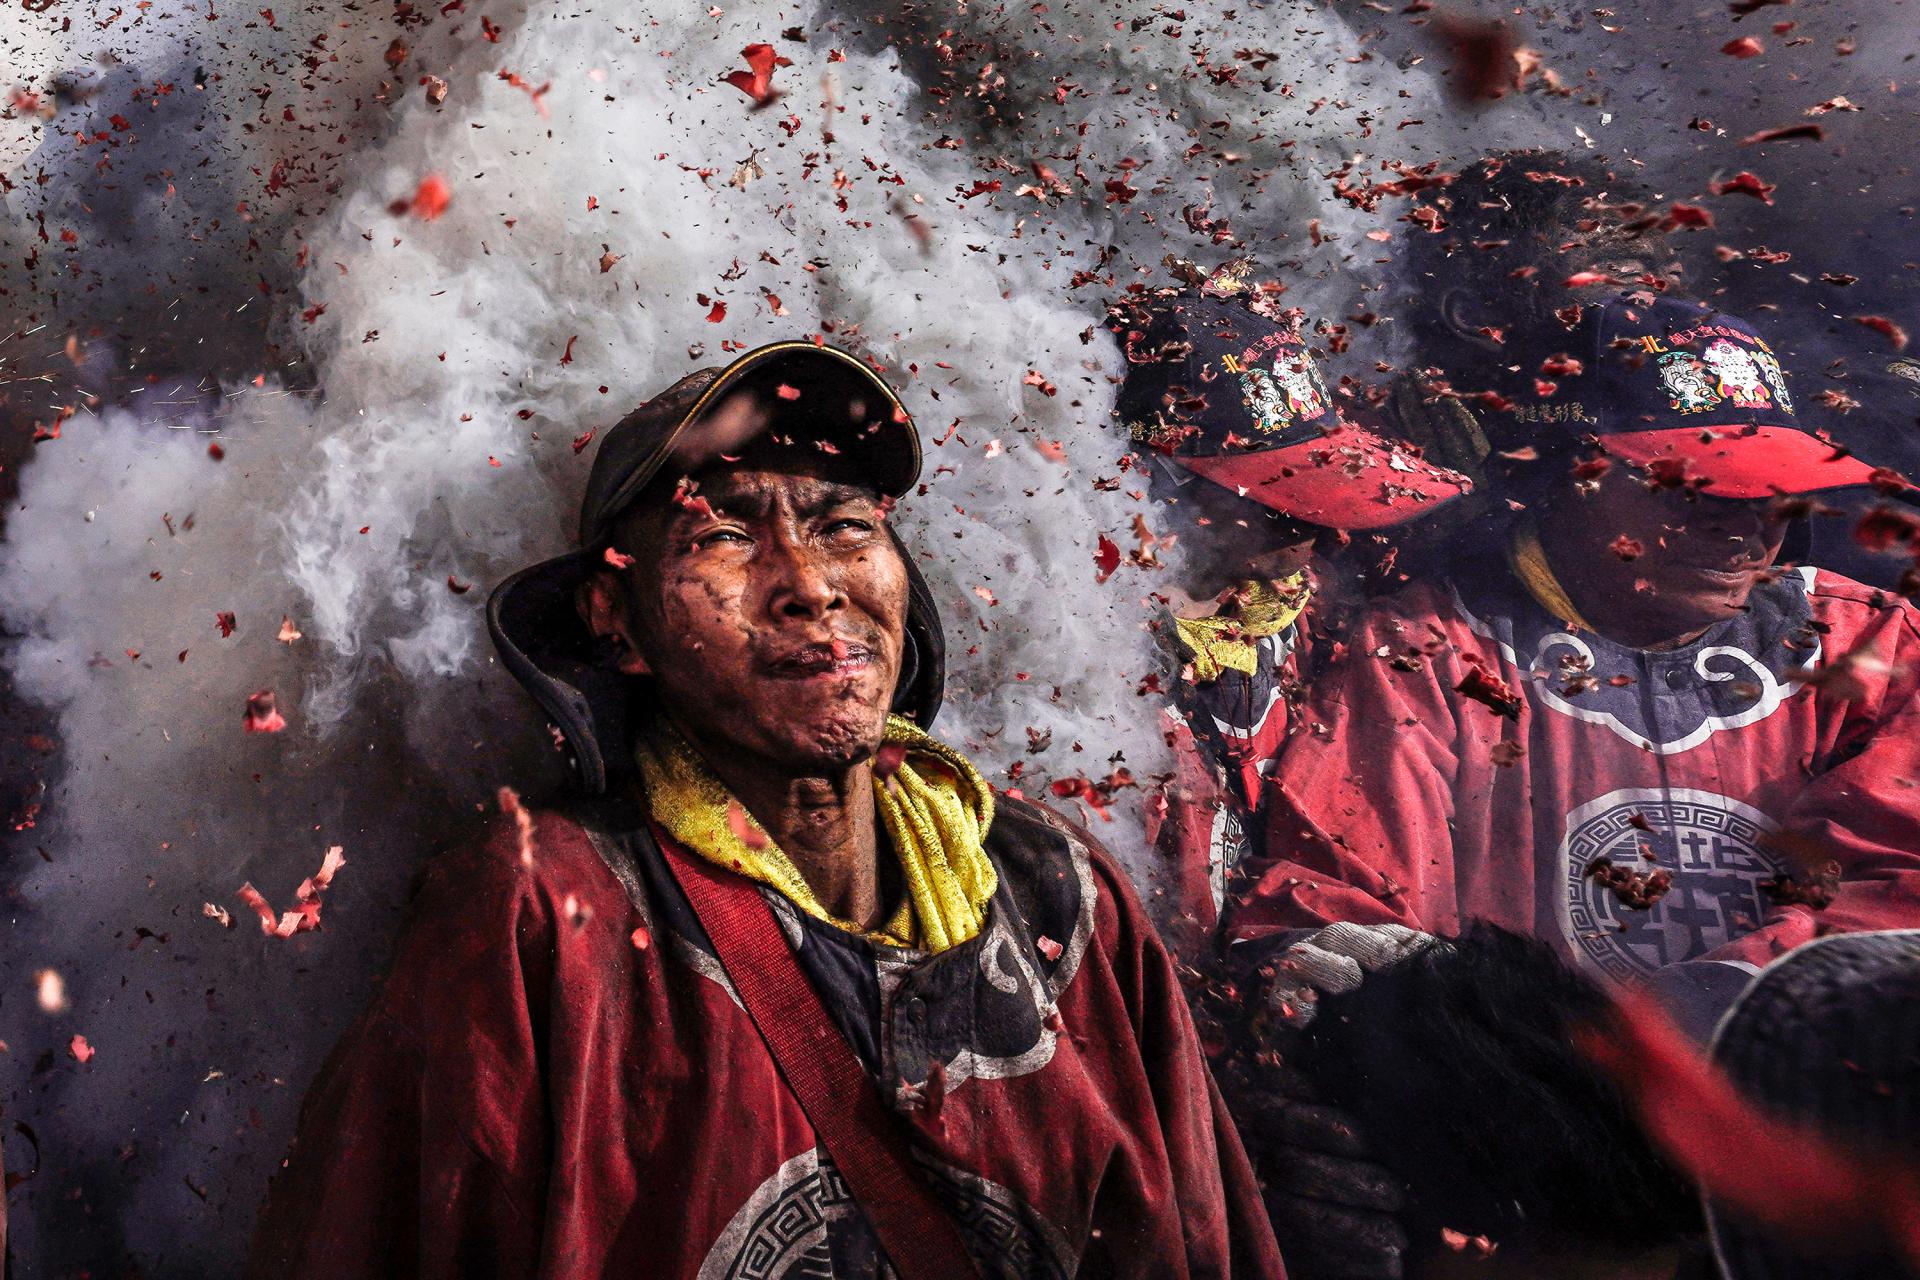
935	807
1529	561
1225	641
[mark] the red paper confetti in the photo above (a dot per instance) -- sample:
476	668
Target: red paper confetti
757	83
1488	689
1886	328
262	716
429	200
743	827
1744	184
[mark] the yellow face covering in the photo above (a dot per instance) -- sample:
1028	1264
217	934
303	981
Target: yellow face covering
935	807
1225	641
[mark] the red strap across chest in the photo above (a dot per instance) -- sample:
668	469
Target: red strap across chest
867	1141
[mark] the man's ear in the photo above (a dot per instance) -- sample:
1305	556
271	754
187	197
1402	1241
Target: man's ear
1461	312
601	602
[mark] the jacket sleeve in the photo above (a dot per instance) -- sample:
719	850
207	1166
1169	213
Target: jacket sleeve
1382	723
420	1146
1223	1218
1862	812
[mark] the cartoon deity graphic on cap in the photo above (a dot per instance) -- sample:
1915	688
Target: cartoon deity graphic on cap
1264	401
1738	374
1776	378
1306	396
1689	385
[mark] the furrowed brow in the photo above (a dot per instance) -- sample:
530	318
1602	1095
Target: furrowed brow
823	498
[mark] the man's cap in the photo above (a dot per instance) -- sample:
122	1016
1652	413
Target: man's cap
1234	396
1827	1036
1685	389
816	395
810	395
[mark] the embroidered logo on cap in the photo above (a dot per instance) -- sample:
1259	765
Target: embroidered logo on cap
1689	385
1280	391
1738	374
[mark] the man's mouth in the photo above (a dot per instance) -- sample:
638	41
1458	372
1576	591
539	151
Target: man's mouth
1735	572
834	659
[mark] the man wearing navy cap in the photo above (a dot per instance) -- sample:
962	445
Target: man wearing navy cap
785	989
1252	466
1642	739
1634	735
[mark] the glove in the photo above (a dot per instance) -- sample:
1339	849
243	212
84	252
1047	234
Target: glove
1334	1212
1335	960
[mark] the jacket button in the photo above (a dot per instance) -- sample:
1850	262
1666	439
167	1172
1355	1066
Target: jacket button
1676	678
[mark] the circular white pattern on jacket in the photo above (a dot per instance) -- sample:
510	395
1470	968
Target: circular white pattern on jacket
1713	845
795	1222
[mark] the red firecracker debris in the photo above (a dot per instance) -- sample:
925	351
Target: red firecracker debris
1634	890
429	200
1485	57
1785	133
1106	559
887	760
82	1051
742	825
226	623
1886	328
262	716
1488	689
1744	184
757	83
1743	47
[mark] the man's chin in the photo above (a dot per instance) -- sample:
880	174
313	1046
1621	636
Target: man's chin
829	738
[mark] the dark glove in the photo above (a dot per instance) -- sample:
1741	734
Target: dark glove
1336	1213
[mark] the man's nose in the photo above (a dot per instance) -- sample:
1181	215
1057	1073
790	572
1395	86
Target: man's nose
800	582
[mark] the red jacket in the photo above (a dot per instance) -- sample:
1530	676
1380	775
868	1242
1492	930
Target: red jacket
556	1081
1226	725
1405	800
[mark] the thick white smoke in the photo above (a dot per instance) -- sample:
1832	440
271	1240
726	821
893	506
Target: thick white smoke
616	216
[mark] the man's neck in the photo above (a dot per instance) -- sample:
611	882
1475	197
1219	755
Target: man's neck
825	823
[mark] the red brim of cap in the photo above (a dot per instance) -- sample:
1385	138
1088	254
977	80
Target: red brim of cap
1350	479
1752	462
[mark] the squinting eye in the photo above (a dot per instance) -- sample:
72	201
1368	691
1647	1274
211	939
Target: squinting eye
731	535
838	526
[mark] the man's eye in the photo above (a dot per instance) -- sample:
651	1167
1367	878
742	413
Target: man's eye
846	523
713	536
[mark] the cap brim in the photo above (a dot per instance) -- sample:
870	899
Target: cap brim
890	447
1348	479
1752	462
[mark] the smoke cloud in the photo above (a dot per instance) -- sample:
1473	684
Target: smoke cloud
398	395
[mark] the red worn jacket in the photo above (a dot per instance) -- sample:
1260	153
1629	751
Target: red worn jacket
556	1081
1404	800
1227	726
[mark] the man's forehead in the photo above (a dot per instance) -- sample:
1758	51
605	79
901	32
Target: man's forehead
754	483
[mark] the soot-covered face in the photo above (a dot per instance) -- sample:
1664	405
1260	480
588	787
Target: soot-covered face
768	604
